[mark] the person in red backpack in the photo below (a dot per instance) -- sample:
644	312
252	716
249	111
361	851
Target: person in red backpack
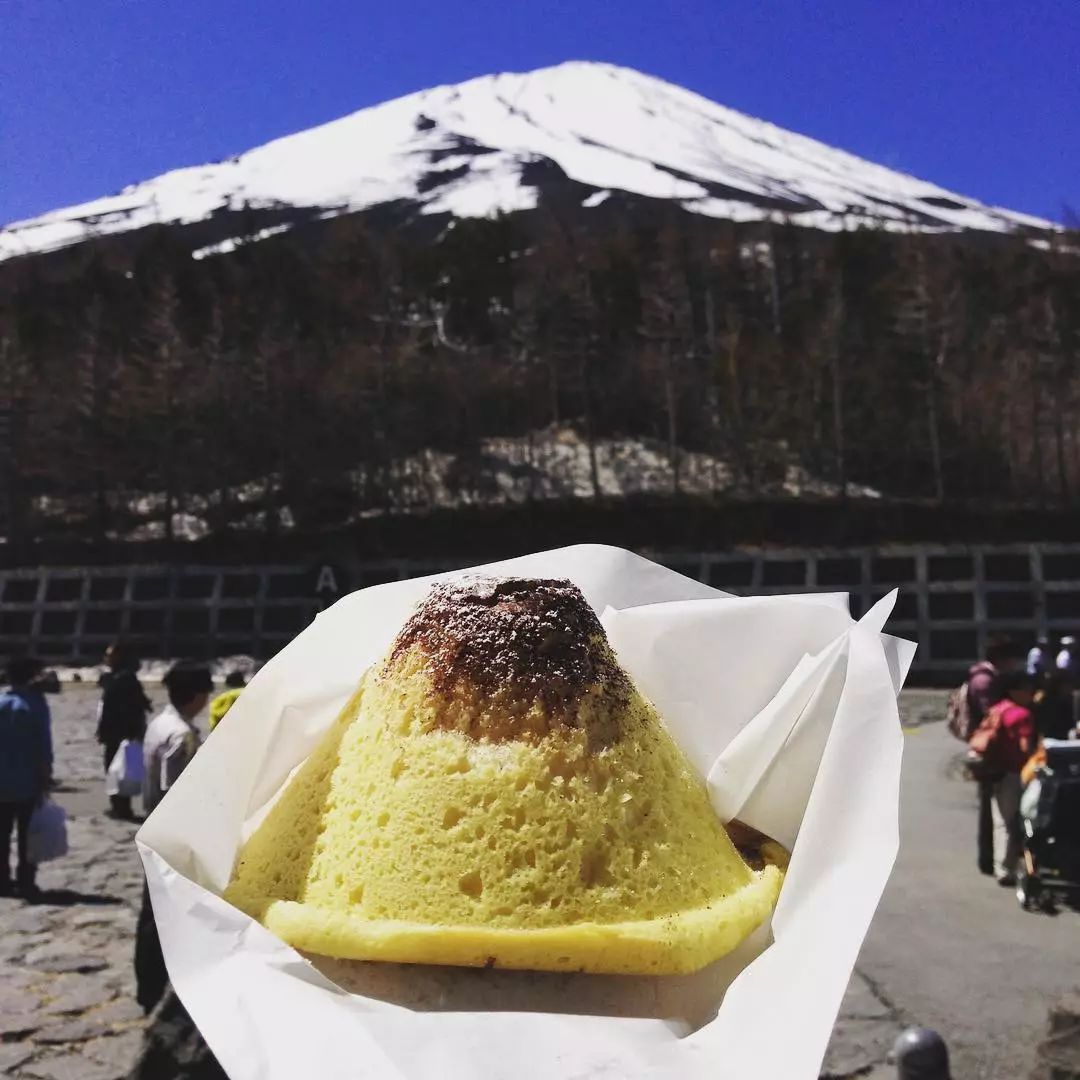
1003	656
1003	742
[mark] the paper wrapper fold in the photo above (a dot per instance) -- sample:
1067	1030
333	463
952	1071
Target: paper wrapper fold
784	704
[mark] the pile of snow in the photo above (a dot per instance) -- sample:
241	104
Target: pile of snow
470	151
225	247
552	464
556	464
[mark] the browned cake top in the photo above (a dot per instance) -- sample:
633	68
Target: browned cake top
517	640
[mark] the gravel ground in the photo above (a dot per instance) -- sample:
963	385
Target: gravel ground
67	1008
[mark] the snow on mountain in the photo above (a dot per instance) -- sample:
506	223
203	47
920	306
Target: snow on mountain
474	149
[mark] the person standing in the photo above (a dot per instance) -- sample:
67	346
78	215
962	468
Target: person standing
1010	730
1038	657
25	768
171	742
983	692
122	713
1055	706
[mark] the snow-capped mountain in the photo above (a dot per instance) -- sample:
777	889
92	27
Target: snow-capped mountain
492	143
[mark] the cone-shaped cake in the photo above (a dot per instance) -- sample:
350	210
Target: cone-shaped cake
498	793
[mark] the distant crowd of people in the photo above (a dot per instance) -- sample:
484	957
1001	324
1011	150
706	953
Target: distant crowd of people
152	754
1013	700
166	746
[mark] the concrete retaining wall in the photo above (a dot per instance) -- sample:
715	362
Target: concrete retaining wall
952	598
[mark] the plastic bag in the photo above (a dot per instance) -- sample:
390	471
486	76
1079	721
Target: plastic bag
47	836
126	770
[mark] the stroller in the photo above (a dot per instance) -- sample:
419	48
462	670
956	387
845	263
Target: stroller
1050	818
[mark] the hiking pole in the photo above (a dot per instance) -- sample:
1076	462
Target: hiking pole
921	1054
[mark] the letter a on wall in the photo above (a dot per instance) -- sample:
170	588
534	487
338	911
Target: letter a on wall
326	581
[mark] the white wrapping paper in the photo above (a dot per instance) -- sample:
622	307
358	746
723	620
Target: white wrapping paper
786	705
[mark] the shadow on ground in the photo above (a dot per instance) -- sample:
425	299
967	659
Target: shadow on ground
68	897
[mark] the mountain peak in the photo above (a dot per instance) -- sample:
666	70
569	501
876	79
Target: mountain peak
471	150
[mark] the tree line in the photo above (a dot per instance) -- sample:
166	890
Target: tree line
313	378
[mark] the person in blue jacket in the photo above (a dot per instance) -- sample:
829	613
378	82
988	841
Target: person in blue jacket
25	767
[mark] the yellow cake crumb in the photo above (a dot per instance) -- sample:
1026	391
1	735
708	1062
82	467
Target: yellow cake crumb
587	844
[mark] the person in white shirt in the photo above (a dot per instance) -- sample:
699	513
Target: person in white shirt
171	738
170	744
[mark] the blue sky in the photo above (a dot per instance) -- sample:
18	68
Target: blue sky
982	97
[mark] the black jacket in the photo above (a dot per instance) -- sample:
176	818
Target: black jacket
124	706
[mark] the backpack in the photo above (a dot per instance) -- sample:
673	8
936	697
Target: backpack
958	716
985	745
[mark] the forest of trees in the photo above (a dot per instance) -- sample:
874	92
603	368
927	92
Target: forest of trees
308	380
